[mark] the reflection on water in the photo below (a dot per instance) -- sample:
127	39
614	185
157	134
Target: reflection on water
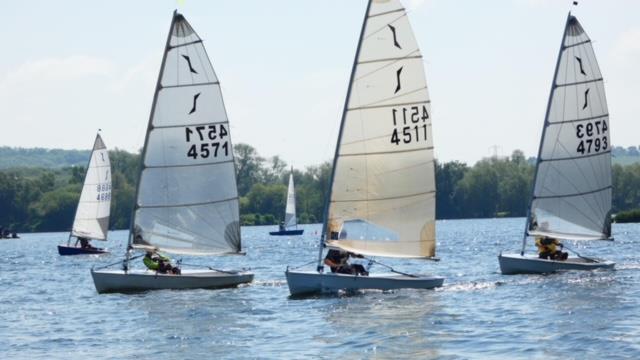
49	305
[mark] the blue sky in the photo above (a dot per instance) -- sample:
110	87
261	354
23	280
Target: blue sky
71	67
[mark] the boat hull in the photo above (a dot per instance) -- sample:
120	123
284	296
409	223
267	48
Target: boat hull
511	264
73	250
286	232
108	281
311	282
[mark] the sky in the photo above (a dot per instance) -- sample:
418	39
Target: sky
71	67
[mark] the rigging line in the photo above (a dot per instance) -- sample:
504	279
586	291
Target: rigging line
366	107
387	152
185	44
576	44
387	198
560	196
376	104
385	13
577	157
580	119
396	59
579	82
391	62
186	205
187	165
189	85
383	27
185	125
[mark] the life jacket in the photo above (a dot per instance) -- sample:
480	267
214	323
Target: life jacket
150	263
546	245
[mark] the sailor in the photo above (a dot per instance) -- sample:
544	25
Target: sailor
159	263
84	243
282	228
338	262
547	248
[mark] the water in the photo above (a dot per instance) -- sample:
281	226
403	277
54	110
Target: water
49	307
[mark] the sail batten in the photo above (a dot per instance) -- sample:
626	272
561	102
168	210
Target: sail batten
572	188
187	200
382	197
92	214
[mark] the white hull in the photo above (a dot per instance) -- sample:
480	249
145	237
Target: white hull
141	280
309	282
530	264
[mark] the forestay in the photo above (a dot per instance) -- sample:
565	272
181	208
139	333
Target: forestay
187	200
572	191
290	211
92	215
383	192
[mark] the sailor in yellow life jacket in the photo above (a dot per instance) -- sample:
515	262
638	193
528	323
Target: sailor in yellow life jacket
547	249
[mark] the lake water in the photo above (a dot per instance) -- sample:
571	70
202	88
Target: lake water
49	307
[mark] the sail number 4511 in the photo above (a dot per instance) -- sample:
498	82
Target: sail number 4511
203	136
592	137
410	124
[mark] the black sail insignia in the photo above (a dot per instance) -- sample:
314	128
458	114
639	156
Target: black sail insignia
398	86
195	102
189	63
581	68
395	39
586	99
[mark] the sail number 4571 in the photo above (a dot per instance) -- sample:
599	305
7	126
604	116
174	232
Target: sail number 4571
592	136
410	124
209	141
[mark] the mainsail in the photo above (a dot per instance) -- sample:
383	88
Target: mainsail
187	200
572	190
382	199
92	215
290	211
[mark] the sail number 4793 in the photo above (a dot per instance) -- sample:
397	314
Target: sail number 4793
207	140
592	137
410	124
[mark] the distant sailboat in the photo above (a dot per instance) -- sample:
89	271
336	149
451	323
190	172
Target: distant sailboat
290	219
571	197
382	191
92	214
187	198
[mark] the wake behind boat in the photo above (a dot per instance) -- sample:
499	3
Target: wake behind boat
186	199
91	221
381	201
571	196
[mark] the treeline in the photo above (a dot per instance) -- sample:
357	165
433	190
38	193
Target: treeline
41	199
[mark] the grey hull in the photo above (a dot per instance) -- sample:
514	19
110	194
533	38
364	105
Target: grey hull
136	280
530	264
310	282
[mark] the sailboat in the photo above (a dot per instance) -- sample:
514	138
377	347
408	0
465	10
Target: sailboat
290	219
186	197
571	195
91	221
381	200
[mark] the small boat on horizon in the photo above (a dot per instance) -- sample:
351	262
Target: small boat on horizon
290	219
91	221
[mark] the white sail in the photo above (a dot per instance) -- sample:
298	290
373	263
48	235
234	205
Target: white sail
383	191
290	211
92	215
572	190
187	200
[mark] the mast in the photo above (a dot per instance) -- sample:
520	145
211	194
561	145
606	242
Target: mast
544	130
146	139
320	267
